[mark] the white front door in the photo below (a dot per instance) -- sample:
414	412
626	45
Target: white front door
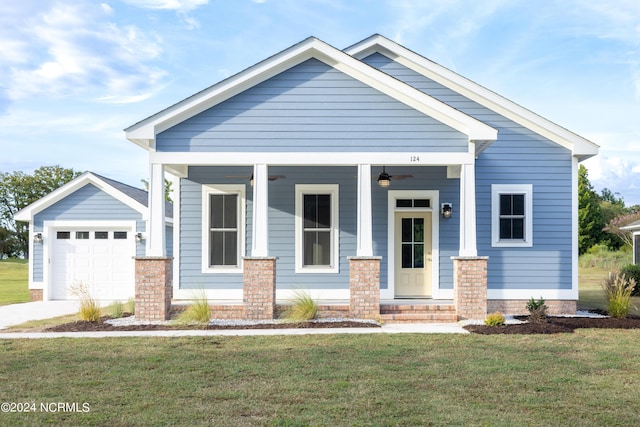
412	254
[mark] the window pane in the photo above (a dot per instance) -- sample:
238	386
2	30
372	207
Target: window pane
120	235
421	203
317	248
518	204
230	210
407	258
517	228
418	256
63	235
505	228
82	235
418	230
310	211
324	211
403	203
216	206
505	204
101	235
230	248
407	231
217	247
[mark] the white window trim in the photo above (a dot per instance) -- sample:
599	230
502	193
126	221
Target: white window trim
207	190
301	190
496	191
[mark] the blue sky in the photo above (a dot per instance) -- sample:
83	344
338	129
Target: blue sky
74	74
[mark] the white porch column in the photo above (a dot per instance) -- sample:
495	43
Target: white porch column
260	236
156	230
365	229
467	210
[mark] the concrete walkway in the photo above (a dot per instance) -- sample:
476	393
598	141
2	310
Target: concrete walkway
16	314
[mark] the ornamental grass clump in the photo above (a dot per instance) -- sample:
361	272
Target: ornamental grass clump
197	312
131	306
116	310
495	319
303	308
537	310
617	290
89	309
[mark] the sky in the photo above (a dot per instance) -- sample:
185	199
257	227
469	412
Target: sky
74	74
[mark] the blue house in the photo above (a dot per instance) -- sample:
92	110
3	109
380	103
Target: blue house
88	232
370	178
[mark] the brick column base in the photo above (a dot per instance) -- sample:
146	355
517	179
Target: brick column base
470	287
364	282
36	295
259	290
154	287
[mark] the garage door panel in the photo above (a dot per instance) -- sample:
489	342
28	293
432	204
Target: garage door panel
104	265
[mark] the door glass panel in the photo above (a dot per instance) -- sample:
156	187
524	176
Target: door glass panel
63	235
418	230
407	259
82	235
403	203
101	235
418	256
421	203
406	230
120	235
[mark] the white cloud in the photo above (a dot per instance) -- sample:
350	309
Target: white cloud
177	5
74	49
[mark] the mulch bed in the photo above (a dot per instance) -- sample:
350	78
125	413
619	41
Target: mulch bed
556	325
85	326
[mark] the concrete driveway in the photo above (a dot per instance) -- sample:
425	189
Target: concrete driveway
14	314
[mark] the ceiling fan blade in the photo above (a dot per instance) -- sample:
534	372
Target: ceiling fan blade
237	176
274	177
401	177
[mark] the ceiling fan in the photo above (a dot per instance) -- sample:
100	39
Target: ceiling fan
384	179
250	178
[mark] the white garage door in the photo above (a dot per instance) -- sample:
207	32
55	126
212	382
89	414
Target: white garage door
100	259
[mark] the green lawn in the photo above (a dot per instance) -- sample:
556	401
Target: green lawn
586	378
591	294
14	281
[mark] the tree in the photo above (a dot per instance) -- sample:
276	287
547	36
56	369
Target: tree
8	244
612	207
590	220
614	227
167	188
18	190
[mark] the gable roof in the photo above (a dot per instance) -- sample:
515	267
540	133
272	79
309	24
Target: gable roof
144	132
579	146
135	198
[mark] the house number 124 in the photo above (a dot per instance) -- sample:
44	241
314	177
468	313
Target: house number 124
414	159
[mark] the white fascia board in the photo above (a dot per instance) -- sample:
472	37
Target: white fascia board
27	213
142	133
312	158
579	146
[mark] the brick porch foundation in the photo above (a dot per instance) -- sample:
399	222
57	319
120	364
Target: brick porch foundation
364	279
519	306
470	287
259	289
36	295
154	287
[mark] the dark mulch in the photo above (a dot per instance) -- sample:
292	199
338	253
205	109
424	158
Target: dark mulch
556	325
85	326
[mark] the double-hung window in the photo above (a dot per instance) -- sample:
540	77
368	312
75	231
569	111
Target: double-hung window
316	228
511	212
223	218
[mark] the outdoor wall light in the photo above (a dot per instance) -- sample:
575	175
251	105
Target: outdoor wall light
384	179
37	238
447	210
138	237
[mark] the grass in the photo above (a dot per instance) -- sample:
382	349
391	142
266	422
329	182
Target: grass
585	378
14	281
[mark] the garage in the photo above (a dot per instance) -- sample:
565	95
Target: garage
88	232
101	259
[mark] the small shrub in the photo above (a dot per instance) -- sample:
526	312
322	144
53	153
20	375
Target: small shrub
131	305
89	309
303	308
537	310
197	312
495	319
115	310
632	271
617	289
